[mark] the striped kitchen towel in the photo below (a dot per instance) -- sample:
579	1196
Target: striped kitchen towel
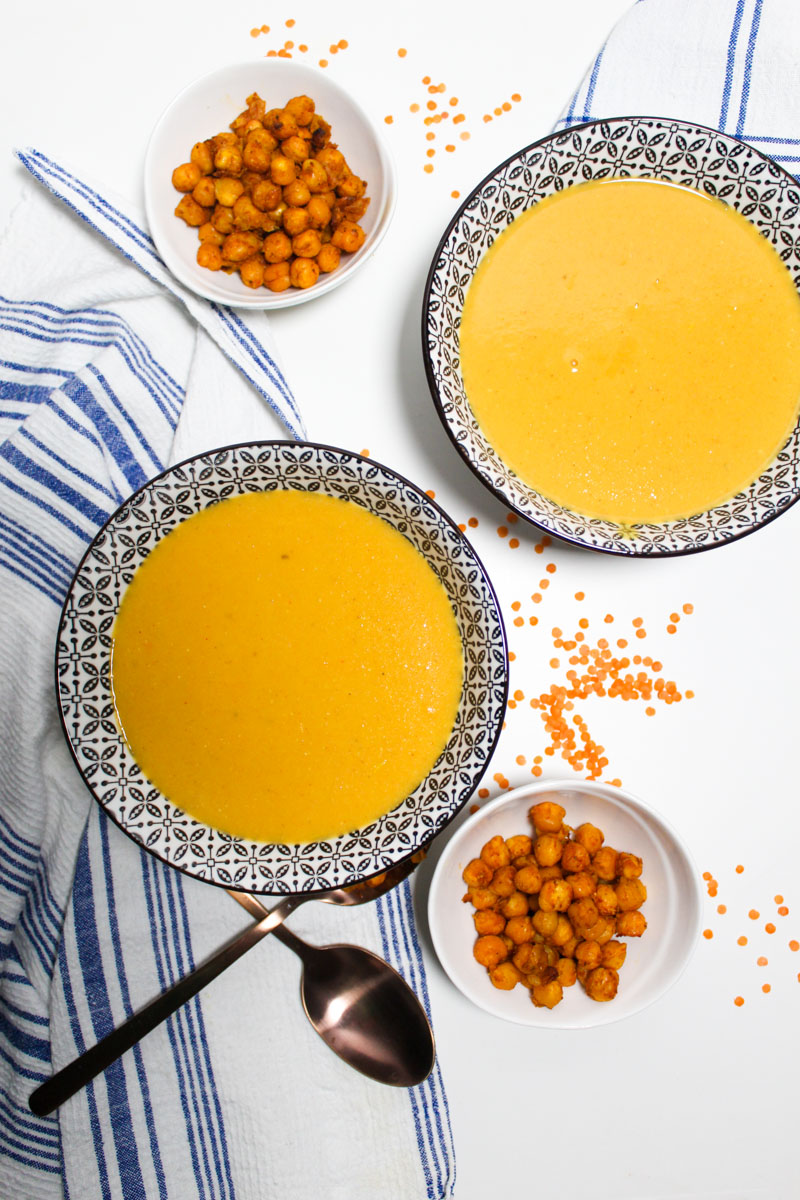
728	64
109	371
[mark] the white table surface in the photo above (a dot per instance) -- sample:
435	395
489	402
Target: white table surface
695	1096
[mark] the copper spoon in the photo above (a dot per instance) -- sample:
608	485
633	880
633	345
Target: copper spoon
76	1074
361	1008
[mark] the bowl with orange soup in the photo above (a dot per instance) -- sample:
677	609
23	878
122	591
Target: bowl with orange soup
611	334
281	667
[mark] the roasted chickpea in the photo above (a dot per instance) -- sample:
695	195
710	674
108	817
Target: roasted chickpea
209	256
567	974
348	236
351	185
575	858
589	836
314	176
334	163
295	148
222	219
545	923
306	244
553	872
266	195
563	932
302	109
614	954
604	864
520	929
547	816
477	873
281	123
547	995
583	913
297	195
207	233
589	954
277	247
202	157
519	845
228	159
319	211
555	896
606	900
282	170
186	177
191	212
495	853
239	246
479	897
547	849
629	866
276	278
204	192
602	931
328	258
503	881
228	190
505	976
530	957
486	921
582	884
296	221
252	271
529	879
246	216
601	984
490	950
631	894
515	905
631	923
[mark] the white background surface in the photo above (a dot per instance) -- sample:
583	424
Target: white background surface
693	1097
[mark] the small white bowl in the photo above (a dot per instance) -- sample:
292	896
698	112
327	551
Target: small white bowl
207	107
653	962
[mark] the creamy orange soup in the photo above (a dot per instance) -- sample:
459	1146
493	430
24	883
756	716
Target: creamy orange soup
286	666
632	350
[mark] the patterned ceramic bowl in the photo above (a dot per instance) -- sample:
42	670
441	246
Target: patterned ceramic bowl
640	147
83	669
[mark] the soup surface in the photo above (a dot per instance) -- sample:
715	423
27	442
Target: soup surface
286	666
632	350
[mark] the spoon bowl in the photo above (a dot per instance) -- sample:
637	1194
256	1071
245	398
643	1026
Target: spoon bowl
360	1006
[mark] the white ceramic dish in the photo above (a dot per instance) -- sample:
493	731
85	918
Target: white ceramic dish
206	107
654	961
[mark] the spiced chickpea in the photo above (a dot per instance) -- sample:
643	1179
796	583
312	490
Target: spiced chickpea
547	995
303	272
329	258
191	212
296	221
631	894
266	195
202	157
228	190
504	881
505	976
631	924
629	866
555	896
302	109
348	236
276	247
602	983
545	923
207	233
479	897
589	954
282	170
297	195
614	954
204	192
319	211
276	277
575	858
490	950
530	957
529	879
295	148
186	177
563	932
604	864
209	256
520	929
228	159
583	913
606	899
582	884
519	845
239	246
515	905
488	921
589	836
495	853
547	816
477	873
547	849
567	973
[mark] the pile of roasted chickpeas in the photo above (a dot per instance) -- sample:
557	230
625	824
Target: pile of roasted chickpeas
551	908
273	198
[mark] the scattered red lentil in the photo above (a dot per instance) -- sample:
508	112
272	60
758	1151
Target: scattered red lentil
793	945
742	941
721	908
739	870
707	933
765	987
739	1001
769	927
762	961
754	914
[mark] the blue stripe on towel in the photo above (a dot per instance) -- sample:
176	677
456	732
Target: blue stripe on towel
731	61
122	978
88	943
748	67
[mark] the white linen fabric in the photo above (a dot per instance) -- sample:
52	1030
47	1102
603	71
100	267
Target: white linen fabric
234	1096
109	372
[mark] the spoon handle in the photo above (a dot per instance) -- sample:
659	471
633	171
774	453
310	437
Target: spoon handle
76	1074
